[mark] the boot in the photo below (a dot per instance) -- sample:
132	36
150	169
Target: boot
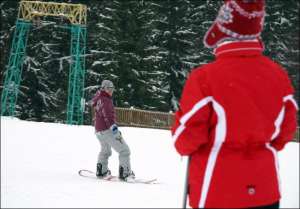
99	173
126	176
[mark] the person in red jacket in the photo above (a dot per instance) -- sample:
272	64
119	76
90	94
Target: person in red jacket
235	114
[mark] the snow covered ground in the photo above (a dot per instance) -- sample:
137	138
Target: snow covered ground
40	161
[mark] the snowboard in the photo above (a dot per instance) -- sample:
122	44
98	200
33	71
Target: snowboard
111	178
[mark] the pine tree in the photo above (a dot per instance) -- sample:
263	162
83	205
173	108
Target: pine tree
147	48
281	37
43	90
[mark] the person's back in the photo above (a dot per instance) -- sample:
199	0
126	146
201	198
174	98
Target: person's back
235	114
251	88
242	95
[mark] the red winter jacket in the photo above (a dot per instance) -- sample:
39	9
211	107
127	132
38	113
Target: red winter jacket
105	112
235	114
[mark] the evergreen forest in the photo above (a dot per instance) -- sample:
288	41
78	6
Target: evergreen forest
146	47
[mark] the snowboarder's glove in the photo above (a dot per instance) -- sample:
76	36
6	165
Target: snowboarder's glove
116	132
114	129
90	103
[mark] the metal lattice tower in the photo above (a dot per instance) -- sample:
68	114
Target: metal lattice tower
28	11
76	77
14	69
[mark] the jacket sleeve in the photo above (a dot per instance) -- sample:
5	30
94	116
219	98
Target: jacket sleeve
95	99
191	127
106	109
288	118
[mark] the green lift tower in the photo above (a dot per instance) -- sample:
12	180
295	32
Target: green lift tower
28	12
14	69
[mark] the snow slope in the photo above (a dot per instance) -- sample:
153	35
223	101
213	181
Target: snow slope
40	161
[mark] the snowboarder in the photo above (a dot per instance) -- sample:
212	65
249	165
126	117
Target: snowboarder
108	134
235	114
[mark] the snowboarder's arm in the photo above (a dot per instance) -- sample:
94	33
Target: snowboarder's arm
95	99
107	111
92	103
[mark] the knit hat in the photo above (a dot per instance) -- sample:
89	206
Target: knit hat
107	84
237	20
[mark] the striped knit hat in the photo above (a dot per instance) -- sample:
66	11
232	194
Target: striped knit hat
237	20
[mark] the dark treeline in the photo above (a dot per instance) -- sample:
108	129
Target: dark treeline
147	48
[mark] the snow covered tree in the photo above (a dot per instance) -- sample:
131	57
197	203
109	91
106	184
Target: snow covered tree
147	48
45	73
281	37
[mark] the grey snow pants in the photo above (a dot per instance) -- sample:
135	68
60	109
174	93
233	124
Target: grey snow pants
107	141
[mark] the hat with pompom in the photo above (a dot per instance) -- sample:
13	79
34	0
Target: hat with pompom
237	20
